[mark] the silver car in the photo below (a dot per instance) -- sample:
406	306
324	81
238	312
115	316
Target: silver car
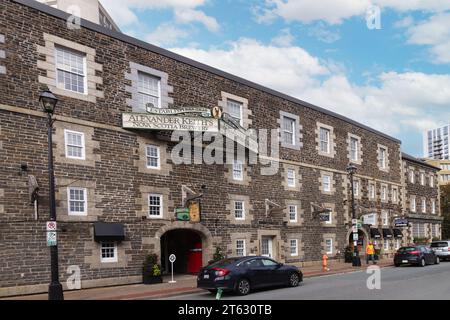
441	249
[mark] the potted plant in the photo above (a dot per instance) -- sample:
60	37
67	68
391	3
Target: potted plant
348	254
151	271
217	256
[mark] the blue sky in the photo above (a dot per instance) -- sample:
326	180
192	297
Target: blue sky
395	79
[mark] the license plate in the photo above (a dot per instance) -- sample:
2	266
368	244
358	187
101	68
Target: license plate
206	276
405	261
439	250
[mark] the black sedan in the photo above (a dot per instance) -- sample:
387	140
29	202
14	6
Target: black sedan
243	274
417	255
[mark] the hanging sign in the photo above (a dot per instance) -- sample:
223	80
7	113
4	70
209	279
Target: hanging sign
194	212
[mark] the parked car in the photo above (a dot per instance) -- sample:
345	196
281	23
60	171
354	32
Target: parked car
417	255
244	274
441	249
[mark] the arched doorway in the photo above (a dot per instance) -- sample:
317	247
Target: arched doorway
187	246
362	241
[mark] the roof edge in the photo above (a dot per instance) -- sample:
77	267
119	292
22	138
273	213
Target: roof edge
411	158
133	41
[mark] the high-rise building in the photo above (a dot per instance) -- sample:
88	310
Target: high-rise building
91	10
435	143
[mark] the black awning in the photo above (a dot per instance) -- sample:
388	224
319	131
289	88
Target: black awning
375	233
387	234
109	231
398	233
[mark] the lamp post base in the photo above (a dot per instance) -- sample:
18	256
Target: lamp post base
356	261
55	291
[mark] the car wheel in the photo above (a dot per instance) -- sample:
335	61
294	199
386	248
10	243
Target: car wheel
422	262
438	260
294	279
243	287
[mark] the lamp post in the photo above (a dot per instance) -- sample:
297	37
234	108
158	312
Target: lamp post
356	260
48	102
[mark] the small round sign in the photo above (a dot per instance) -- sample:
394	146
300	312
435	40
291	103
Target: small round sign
172	258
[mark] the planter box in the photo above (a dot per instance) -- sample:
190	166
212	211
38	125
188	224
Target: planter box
151	280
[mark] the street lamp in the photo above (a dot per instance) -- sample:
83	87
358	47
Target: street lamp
48	102
356	260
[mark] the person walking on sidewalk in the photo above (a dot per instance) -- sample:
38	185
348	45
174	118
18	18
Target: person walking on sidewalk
370	252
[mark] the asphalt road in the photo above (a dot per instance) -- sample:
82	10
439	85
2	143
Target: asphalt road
406	282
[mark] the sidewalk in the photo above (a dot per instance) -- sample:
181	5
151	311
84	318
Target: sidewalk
185	284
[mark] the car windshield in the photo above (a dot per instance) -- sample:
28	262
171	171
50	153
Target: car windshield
439	244
407	249
222	263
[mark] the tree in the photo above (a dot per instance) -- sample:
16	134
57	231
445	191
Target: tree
445	209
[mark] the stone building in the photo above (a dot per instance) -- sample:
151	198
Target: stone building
421	199
120	196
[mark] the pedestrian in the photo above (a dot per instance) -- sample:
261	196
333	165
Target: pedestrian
370	251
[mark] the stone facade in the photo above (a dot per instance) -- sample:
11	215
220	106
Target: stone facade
423	188
116	176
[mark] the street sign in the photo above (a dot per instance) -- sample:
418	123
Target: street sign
354	221
51	225
172	259
355	237
51	238
354	229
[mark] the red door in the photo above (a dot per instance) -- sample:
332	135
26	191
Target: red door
194	262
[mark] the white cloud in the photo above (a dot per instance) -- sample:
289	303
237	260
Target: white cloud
185	11
190	15
284	38
336	11
321	33
166	34
434	32
398	103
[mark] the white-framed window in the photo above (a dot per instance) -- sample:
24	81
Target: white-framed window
424	205
74	142
238	170
153	155
329	216
398	244
329	245
382	158
239	210
71	70
412	175
326	182
386	244
432	181
383	193
240	247
291	178
354	146
293	213
356	188
288	130
149	90
413	204
422	178
108	252
235	110
418	230
372	191
385	218
155	206
394	194
77	201
293	246
433	206
324	138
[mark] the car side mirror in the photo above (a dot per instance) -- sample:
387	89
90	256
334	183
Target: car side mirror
279	265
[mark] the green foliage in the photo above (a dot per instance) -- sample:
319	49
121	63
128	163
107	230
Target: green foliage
445	209
217	256
420	240
150	266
